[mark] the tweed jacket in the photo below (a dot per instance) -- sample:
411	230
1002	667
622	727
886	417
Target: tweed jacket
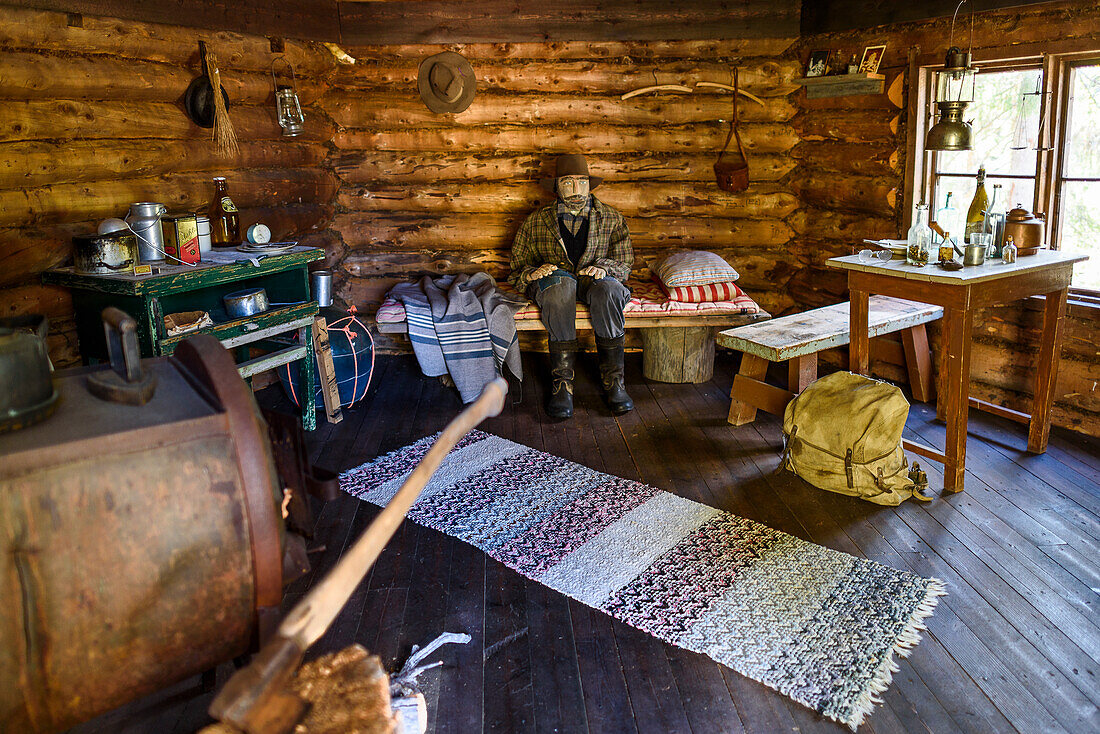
539	241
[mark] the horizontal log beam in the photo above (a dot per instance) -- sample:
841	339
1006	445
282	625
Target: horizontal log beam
356	110
849	228
632	199
389	167
439	21
604	49
485	231
861	159
28	75
44	30
849	127
37	163
760	137
873	195
178	192
609	76
53	119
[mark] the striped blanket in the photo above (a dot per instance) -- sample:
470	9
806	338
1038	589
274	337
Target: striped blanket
461	325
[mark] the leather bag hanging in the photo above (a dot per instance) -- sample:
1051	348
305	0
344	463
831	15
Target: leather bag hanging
732	167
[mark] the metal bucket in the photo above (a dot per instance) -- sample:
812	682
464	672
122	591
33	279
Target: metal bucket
103	254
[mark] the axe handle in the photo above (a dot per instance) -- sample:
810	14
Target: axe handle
313	615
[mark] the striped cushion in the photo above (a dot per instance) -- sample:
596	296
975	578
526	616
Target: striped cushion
727	291
695	267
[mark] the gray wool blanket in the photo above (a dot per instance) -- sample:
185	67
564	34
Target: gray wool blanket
464	326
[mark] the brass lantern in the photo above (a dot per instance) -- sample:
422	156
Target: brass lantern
291	118
954	91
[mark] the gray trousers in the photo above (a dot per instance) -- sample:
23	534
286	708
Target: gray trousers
557	295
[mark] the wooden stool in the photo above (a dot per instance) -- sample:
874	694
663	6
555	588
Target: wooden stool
798	338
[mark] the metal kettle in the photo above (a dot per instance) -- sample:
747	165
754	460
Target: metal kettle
27	393
1026	230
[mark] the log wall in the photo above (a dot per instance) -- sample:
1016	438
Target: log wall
852	156
91	120
447	192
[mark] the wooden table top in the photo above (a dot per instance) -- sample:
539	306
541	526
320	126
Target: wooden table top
970	274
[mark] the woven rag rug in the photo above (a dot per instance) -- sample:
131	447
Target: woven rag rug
815	624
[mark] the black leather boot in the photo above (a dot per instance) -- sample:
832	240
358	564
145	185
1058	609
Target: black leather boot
563	356
613	375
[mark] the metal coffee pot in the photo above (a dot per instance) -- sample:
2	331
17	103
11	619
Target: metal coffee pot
1026	230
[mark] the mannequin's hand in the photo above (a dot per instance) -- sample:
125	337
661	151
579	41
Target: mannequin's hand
593	272
542	271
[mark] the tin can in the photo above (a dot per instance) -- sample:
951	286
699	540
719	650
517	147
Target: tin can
181	237
205	242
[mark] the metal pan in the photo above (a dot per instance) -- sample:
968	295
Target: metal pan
250	302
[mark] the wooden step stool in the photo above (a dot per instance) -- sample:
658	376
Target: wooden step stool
799	337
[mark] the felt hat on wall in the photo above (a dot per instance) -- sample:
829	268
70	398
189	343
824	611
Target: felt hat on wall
446	82
571	164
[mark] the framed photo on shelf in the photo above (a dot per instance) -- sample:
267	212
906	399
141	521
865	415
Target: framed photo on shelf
819	62
872	57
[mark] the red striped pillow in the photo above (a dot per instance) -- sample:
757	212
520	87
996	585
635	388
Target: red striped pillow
727	291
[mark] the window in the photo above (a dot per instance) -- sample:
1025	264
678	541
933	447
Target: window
1037	132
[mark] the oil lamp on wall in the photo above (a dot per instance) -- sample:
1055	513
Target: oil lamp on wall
291	118
954	90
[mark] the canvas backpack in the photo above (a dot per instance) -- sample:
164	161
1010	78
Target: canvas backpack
843	434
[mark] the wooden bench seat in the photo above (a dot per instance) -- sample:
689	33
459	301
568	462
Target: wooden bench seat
798	338
677	346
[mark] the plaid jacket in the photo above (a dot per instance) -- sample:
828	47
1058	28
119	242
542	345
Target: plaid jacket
539	241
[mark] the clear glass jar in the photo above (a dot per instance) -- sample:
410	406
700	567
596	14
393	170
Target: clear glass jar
1008	252
919	242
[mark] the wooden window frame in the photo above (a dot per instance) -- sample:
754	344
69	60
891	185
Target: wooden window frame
1056	59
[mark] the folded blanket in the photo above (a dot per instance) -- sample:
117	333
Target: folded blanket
464	326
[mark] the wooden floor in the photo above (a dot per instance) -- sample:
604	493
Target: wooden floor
1013	647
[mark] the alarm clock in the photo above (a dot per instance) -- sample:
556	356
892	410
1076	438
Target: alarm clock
258	234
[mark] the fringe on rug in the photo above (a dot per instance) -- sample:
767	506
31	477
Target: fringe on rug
907	640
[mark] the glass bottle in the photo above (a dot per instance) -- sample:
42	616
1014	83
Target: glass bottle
225	223
946	216
919	242
975	218
1008	252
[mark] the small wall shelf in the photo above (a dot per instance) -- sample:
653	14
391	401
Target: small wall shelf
842	85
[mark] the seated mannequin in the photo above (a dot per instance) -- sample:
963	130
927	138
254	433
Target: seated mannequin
577	248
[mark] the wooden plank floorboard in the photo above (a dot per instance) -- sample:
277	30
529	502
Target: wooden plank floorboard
1014	647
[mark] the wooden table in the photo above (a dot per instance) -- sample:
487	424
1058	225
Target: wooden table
177	288
1046	273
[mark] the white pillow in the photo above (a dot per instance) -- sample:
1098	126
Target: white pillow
695	267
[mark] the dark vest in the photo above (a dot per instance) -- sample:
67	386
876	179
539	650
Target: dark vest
575	244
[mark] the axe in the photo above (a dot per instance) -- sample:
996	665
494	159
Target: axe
258	698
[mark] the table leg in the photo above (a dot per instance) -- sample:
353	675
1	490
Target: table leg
1046	373
859	350
959	325
309	386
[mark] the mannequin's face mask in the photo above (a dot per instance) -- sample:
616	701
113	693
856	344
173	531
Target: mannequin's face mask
573	190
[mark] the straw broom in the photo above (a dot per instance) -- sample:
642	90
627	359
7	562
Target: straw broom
225	137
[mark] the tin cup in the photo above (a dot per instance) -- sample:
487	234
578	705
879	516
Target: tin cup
203	223
321	285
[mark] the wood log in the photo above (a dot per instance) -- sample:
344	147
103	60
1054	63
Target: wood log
849	127
38	163
861	159
758	138
405	109
25	75
51	301
630	198
606	77
487	231
873	195
850	228
389	167
438	21
639	51
26	251
64	119
39	30
179	192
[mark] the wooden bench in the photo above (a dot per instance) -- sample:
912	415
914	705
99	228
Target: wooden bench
798	338
677	348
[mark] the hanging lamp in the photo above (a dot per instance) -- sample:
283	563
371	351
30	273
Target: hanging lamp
954	90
